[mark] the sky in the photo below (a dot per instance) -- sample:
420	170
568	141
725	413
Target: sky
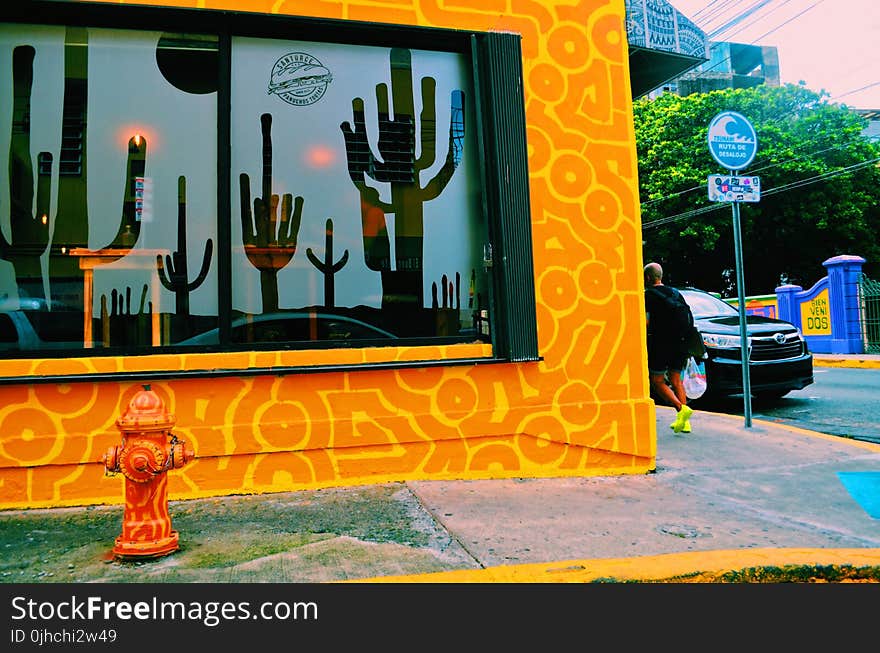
829	44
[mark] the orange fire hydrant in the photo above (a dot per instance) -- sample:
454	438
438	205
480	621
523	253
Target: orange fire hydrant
147	452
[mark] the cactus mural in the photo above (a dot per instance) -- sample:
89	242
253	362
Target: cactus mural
399	165
328	267
174	275
269	243
29	229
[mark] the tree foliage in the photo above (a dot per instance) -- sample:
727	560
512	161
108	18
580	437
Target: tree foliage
820	184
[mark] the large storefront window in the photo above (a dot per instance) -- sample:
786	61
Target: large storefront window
109	225
357	193
241	188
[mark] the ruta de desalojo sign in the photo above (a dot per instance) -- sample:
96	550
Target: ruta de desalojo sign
733	144
732	140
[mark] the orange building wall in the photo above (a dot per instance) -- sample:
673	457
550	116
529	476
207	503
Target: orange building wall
582	410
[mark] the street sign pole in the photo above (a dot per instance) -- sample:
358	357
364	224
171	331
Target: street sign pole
743	332
733	144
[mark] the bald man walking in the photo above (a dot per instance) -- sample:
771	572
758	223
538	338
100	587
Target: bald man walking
667	351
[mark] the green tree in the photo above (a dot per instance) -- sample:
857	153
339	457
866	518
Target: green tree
820	185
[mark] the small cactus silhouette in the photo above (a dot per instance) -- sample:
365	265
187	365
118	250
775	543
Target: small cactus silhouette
327	266
269	244
175	276
447	312
117	320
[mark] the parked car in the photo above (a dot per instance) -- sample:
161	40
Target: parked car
779	359
292	327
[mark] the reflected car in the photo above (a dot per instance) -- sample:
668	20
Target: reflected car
17	333
778	356
295	326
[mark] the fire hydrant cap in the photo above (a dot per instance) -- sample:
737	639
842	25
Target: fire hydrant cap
146	410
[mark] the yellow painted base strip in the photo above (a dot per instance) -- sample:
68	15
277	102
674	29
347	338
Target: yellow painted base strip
853	361
645	568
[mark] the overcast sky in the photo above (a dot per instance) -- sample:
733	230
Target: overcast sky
829	44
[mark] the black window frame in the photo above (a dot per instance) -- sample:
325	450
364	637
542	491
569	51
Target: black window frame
501	135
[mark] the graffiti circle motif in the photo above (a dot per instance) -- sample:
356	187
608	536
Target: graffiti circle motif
299	79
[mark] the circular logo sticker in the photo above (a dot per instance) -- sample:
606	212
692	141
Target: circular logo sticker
299	79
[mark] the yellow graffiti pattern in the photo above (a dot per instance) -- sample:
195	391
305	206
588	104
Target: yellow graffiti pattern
582	410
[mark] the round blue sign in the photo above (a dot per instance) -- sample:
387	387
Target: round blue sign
732	140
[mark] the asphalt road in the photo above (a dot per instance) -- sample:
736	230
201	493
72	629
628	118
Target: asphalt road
841	401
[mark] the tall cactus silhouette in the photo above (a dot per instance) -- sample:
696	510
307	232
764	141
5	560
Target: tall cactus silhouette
328	267
175	276
269	243
29	230
400	167
70	226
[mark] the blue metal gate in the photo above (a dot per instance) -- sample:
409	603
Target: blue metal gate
869	313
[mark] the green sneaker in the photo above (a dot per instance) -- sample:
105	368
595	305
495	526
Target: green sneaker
682	420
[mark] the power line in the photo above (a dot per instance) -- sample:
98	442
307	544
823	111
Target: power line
714	13
863	88
778	27
806	181
825	175
759	4
750	173
744	27
769	166
708	8
702	187
773	191
779	118
783	24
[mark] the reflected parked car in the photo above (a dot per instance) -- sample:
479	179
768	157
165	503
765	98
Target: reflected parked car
17	333
293	327
779	359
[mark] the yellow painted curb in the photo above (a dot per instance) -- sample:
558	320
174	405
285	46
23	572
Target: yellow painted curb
646	568
847	362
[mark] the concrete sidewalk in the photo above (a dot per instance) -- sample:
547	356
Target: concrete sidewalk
723	498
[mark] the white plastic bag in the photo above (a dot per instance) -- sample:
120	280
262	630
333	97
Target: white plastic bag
694	378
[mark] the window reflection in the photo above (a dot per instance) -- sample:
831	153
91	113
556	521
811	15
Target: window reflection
108	261
389	230
357	215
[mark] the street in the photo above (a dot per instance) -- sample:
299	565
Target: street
841	401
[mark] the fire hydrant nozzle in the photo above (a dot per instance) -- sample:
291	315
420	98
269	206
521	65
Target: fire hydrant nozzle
144	458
